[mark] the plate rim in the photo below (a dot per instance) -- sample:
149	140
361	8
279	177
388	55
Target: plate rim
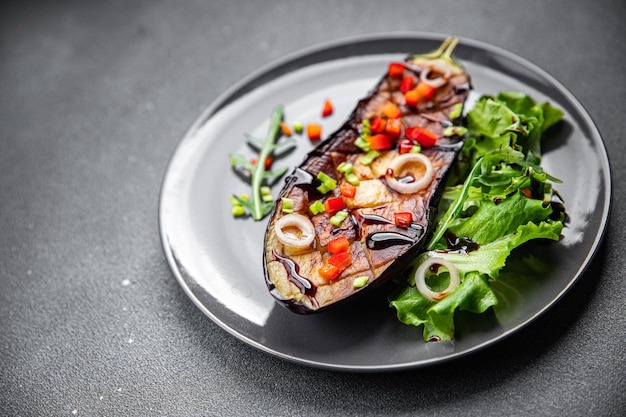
223	98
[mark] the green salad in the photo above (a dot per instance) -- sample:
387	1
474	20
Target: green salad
497	199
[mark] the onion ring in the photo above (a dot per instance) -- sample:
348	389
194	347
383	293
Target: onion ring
420	279
410	187
297	221
439	81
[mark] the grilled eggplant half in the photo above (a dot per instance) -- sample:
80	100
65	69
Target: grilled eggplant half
361	205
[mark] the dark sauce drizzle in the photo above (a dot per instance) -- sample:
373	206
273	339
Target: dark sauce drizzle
293	273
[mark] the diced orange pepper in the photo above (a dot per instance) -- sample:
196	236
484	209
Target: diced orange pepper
396	69
284	127
379	142
407	83
328	108
347	189
377	125
391	111
329	271
341	260
314	131
338	245
425	90
393	127
411	98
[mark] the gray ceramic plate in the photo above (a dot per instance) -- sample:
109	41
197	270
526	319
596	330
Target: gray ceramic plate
218	259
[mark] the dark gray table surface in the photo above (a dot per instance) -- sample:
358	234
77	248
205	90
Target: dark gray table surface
95	96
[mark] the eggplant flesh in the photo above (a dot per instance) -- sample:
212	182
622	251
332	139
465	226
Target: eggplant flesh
378	247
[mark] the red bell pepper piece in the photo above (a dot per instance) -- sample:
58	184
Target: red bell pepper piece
377	125
396	69
379	142
425	90
403	218
393	127
407	83
422	136
314	131
338	245
341	260
328	108
334	204
347	189
329	271
391	111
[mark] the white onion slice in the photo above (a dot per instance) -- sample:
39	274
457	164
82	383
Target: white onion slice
439	81
420	279
296	221
395	166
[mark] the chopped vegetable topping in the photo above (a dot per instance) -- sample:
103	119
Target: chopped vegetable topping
338	218
329	271
424	137
341	260
377	125
457	111
314	131
405	166
425	90
369	157
393	127
411	98
347	189
425	268
396	69
403	219
287	205
340	244
360	282
380	142
328	184
328	108
407	83
334	204
316	207
391	111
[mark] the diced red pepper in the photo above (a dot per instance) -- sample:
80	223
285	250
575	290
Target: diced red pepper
425	90
379	142
314	131
405	146
396	69
407	83
526	192
347	189
284	127
334	204
329	271
391	111
338	245
328	108
393	127
377	125
424	137
403	218
411	98
341	260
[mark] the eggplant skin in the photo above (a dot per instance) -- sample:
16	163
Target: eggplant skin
379	249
